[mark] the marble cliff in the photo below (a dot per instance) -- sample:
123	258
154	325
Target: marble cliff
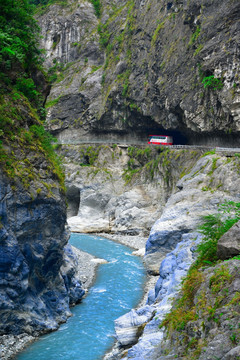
38	281
143	66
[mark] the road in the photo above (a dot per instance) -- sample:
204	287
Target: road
123	144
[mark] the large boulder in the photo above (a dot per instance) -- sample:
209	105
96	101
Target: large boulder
172	271
229	244
129	327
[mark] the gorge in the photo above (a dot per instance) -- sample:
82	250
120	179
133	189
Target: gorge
113	75
91	328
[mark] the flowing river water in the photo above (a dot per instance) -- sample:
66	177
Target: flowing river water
89	333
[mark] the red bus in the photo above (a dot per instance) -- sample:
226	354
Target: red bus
160	140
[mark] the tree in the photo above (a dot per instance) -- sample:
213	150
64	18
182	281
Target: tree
18	35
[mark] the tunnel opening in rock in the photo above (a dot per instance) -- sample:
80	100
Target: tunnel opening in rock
132	137
178	137
215	139
137	128
146	126
73	200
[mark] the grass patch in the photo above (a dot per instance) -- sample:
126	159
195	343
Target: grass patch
184	310
53	102
213	227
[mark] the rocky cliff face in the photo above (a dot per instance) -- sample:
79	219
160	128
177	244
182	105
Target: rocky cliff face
216	331
37	275
125	189
212	180
118	189
34	295
144	66
142	190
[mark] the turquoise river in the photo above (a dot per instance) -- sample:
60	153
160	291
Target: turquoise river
89	333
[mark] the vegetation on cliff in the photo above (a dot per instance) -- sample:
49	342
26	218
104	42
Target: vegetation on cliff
200	308
213	227
149	161
18	39
24	144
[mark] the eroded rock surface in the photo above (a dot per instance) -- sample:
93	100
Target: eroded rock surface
144	67
229	244
216	331
118	189
212	180
37	285
130	326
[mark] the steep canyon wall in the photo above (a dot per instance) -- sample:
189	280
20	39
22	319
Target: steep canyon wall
38	280
144	67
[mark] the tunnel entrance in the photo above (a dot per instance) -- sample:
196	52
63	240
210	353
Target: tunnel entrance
137	129
178	137
73	200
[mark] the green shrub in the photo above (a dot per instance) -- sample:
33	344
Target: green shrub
213	227
46	138
18	35
104	35
212	152
27	87
212	82
97	7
